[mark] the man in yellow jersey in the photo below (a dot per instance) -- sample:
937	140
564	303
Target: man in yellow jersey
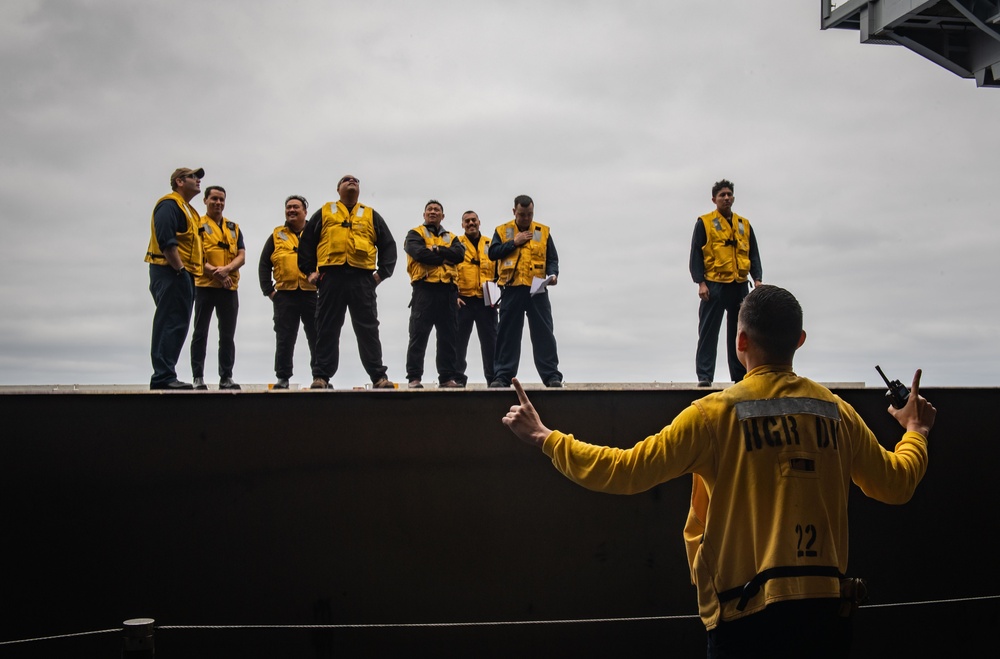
215	289
524	251
475	270
724	256
294	298
772	459
174	256
346	250
432	253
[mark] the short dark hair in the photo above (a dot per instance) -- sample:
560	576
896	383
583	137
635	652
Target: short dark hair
305	204
523	201
467	212
722	184
434	201
772	318
209	189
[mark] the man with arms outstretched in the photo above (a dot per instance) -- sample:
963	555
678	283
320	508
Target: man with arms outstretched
772	459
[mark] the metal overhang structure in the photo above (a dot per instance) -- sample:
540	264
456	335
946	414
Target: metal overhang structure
963	36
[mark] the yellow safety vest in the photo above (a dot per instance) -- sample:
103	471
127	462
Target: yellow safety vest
188	241
432	274
285	262
476	268
220	244
527	261
727	248
347	237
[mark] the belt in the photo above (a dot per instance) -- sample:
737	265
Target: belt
752	587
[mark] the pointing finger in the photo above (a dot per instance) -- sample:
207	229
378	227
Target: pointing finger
521	396
915	387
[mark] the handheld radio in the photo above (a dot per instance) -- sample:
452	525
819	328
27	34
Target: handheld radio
897	393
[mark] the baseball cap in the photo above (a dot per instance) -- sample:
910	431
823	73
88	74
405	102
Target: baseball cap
184	171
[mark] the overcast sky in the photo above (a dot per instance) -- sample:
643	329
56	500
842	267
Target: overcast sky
865	170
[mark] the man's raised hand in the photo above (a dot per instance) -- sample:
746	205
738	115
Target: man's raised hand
918	414
523	420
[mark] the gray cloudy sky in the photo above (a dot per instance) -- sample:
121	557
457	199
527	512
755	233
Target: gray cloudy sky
865	170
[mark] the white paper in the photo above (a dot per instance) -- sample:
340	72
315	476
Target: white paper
538	285
491	293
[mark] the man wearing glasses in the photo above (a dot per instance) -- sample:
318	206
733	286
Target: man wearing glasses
174	256
346	250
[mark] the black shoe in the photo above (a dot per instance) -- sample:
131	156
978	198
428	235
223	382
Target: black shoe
499	384
174	385
704	383
227	383
282	383
554	384
199	384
